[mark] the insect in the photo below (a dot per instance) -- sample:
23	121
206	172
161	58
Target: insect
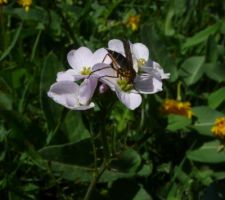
123	65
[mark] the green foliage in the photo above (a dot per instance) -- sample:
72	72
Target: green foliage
49	152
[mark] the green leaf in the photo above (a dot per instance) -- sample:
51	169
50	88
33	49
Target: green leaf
142	195
201	36
146	170
211	51
13	43
216	98
84	174
176	122
128	161
169	30
205	119
215	71
36	14
159	51
191	70
6	101
208	153
52	111
77	153
74	127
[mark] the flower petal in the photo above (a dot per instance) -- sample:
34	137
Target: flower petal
161	71
116	45
152	67
140	51
147	84
69	75
80	58
65	93
100	56
130	99
87	89
106	74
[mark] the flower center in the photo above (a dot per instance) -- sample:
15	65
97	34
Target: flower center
124	85
86	70
141	62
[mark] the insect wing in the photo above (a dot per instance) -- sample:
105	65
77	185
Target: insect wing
118	58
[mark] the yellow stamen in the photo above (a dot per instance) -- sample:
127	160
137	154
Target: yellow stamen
141	62
86	71
124	85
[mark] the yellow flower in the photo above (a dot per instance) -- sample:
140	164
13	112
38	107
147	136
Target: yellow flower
218	129
171	106
26	4
133	22
3	1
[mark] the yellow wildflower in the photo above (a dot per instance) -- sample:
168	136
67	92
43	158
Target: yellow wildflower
171	106
133	22
3	1
26	4
218	129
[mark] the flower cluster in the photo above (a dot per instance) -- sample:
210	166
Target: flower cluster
177	107
104	68
219	128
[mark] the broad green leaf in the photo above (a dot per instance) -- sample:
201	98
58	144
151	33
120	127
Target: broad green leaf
84	174
205	119
77	153
127	161
216	98
211	50
146	170
201	36
205	176
215	71
74	127
176	122
208	153
142	195
191	70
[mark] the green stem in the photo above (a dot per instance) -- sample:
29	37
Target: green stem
179	98
96	177
105	145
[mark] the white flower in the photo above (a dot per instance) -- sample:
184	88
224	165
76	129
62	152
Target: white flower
139	51
152	67
148	79
124	91
82	61
128	82
73	96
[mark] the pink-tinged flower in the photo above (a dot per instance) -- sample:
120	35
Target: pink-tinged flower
124	91
148	78
105	65
82	61
73	96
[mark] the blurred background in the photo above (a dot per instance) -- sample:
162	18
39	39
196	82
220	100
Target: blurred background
45	149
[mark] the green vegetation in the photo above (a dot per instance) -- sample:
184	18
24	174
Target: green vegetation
50	152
